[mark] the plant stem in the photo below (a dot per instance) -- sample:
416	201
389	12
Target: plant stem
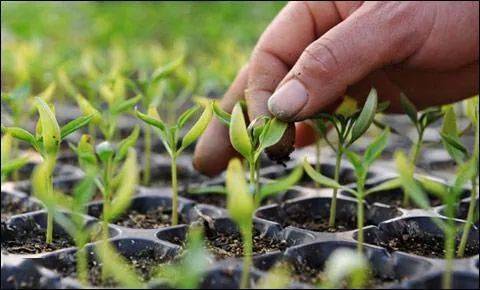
449	246
413	157
247	255
49	235
147	137
174	192
470	216
317	160
82	264
333	205
360	221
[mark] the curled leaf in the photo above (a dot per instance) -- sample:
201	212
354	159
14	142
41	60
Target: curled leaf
198	128
239	134
51	135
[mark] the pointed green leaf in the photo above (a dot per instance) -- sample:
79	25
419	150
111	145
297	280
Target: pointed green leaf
13	165
223	116
318	177
432	186
356	161
281	184
376	147
126	144
471	109
366	116
86	154
198	128
125	105
239	134
387	185
383	106
21	134
50	130
74	125
465	173
151	120
456	150
88	109
183	119
273	133
409	108
240	202
410	186
166	70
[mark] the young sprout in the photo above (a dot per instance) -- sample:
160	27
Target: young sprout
349	126
46	142
251	141
174	144
458	152
421	122
449	195
9	164
345	264
361	165
152	89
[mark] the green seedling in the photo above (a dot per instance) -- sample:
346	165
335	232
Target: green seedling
361	165
349	125
251	141
174	144
450	196
421	122
458	152
10	164
152	88
46	142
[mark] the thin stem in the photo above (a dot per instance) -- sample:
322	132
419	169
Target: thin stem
317	160
449	245
49	235
147	137
360	220
174	192
247	256
82	264
333	205
413	157
469	222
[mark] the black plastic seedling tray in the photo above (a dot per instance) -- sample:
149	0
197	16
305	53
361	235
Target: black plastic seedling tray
289	226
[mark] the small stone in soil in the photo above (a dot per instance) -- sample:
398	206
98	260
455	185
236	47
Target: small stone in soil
151	219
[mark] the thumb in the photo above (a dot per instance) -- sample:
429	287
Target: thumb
374	35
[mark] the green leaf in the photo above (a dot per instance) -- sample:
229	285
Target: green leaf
410	186
74	125
366	116
166	70
198	128
86	154
88	109
217	189
465	173
376	148
239	134
151	120
471	109
21	134
240	202
50	130
382	106
183	119
387	185
430	117
83	192
272	134
13	165
409	108
40	185
223	116
126	144
126	188
318	177
456	150
105	151
357	162
125	105
431	186
282	184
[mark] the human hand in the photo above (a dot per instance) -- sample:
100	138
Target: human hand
313	53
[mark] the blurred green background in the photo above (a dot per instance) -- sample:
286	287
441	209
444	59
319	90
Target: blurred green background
216	37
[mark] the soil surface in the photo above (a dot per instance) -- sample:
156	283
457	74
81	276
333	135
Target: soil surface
12	205
151	219
144	263
395	199
432	247
219	200
314	276
32	241
304	221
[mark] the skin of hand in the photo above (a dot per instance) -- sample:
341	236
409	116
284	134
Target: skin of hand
314	53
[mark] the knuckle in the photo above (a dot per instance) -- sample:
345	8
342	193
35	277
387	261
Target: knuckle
319	60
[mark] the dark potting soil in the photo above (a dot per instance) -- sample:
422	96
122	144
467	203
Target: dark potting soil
314	276
151	219
300	220
144	263
219	200
13	205
431	246
32	241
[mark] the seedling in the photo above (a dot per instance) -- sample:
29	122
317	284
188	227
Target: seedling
458	152
421	122
173	144
349	125
251	141
9	164
361	165
449	195
46	142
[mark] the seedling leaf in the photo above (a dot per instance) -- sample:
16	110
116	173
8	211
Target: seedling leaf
240	203
410	186
74	125
318	177
282	184
50	129
376	147
183	119
409	108
126	144
125	105
198	128
366	116
239	134
387	185
21	134
223	116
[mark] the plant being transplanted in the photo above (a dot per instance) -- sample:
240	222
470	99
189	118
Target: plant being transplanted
349	126
421	123
174	144
361	165
450	195
458	152
46	142
251	141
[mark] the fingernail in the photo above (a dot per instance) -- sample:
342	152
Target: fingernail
288	100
